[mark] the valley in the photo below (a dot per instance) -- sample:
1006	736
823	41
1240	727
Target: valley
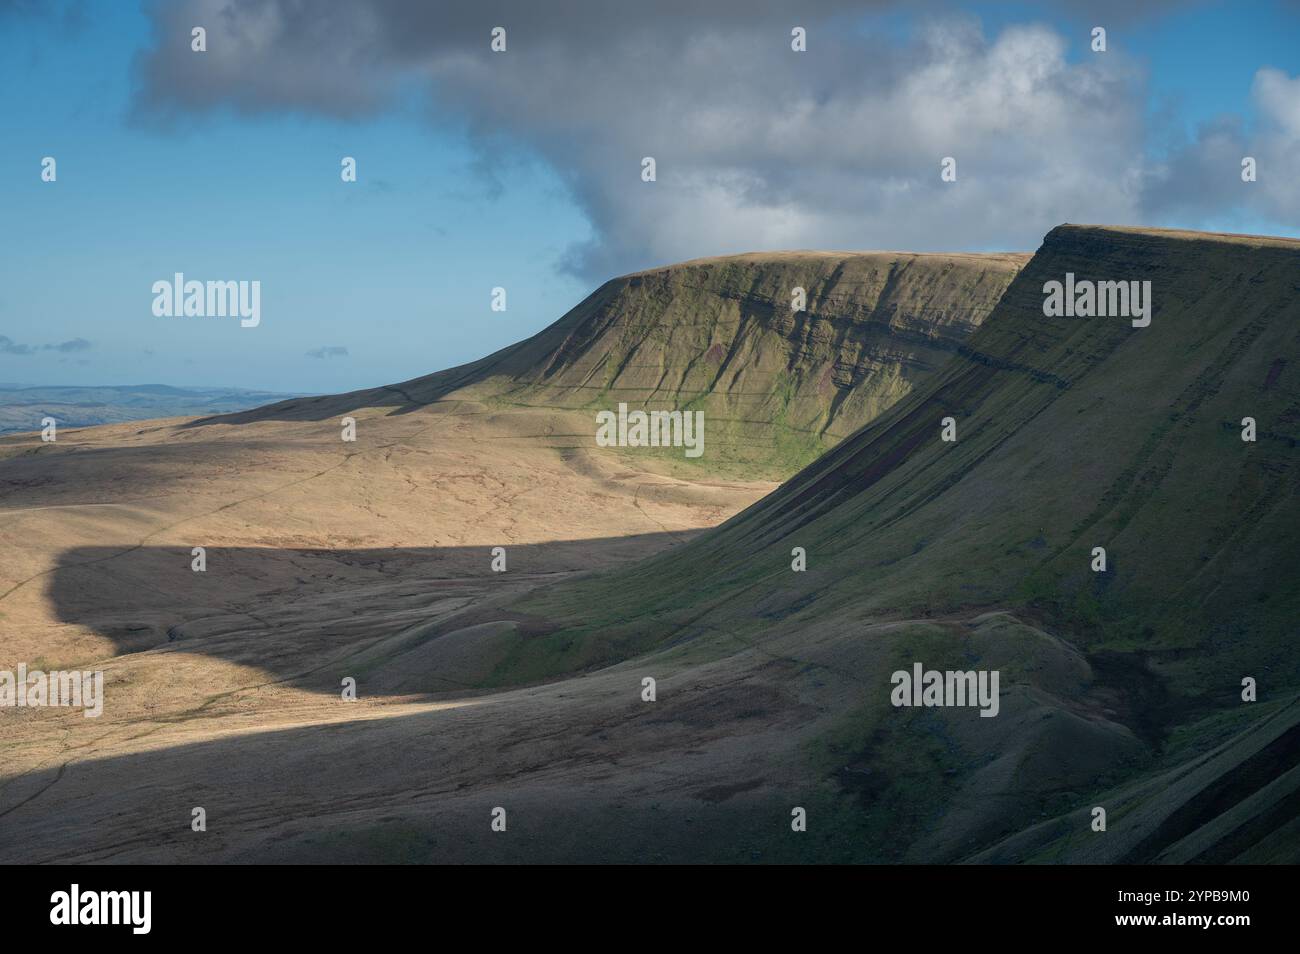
371	561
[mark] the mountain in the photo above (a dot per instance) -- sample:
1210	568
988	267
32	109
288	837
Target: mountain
650	679
221	571
777	386
1072	434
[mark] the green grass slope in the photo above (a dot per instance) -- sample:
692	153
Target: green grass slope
778	387
1073	433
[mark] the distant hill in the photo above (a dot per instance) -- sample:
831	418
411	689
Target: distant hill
21	408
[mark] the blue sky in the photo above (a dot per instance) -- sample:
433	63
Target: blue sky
467	181
397	268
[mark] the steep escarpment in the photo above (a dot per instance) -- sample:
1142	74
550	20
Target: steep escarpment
771	639
720	336
1073	436
777	385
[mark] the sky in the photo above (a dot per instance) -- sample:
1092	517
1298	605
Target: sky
523	169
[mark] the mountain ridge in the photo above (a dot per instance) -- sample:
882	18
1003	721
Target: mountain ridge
777	386
526	688
1072	434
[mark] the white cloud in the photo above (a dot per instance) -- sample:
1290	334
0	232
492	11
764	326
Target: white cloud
1201	180
757	147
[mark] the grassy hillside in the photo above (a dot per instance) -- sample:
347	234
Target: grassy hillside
330	560
1073	433
778	387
